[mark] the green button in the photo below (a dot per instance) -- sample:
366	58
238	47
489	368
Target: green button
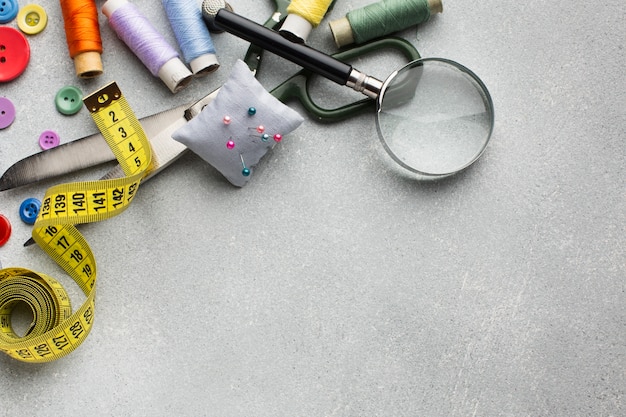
69	100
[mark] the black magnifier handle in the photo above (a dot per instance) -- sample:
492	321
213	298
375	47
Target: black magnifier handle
300	54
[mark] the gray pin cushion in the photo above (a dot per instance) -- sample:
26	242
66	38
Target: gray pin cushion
235	130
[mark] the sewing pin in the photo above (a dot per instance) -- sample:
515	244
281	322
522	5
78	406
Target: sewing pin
245	171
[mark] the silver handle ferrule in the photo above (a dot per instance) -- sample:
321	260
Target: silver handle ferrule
365	84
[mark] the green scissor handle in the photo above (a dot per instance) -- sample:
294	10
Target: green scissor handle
298	85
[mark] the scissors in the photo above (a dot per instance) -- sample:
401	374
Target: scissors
93	150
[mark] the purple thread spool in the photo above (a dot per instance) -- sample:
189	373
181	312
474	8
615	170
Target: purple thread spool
132	27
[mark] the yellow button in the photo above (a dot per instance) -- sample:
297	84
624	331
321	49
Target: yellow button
32	19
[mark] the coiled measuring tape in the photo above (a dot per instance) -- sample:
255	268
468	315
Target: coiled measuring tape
55	330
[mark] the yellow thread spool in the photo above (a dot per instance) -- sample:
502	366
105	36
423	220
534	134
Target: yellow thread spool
303	16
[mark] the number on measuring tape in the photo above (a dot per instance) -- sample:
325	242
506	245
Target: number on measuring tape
64	206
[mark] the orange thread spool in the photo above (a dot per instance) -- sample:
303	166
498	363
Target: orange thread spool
83	36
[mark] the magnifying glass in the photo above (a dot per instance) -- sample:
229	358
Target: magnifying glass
434	116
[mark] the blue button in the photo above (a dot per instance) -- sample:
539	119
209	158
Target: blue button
8	10
29	209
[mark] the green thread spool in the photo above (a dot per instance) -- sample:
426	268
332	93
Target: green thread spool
382	18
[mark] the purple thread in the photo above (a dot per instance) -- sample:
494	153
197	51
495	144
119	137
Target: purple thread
132	27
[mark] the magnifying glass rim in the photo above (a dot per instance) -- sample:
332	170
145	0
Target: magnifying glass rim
486	98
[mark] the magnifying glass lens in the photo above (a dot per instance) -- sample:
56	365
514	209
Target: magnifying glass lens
435	117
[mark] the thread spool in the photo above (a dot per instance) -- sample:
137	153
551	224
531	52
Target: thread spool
192	35
161	59
82	32
382	18
302	17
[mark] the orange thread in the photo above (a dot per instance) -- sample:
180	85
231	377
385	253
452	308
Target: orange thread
81	26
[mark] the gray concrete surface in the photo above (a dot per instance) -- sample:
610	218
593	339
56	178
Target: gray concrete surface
332	285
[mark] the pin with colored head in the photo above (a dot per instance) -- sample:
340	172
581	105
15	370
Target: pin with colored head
227	119
245	171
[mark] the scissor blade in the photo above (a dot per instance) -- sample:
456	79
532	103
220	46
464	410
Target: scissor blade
78	154
82	153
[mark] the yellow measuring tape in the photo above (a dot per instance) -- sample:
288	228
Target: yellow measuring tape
55	330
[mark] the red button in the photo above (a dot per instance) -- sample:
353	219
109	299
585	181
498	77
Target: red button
5	229
14	53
